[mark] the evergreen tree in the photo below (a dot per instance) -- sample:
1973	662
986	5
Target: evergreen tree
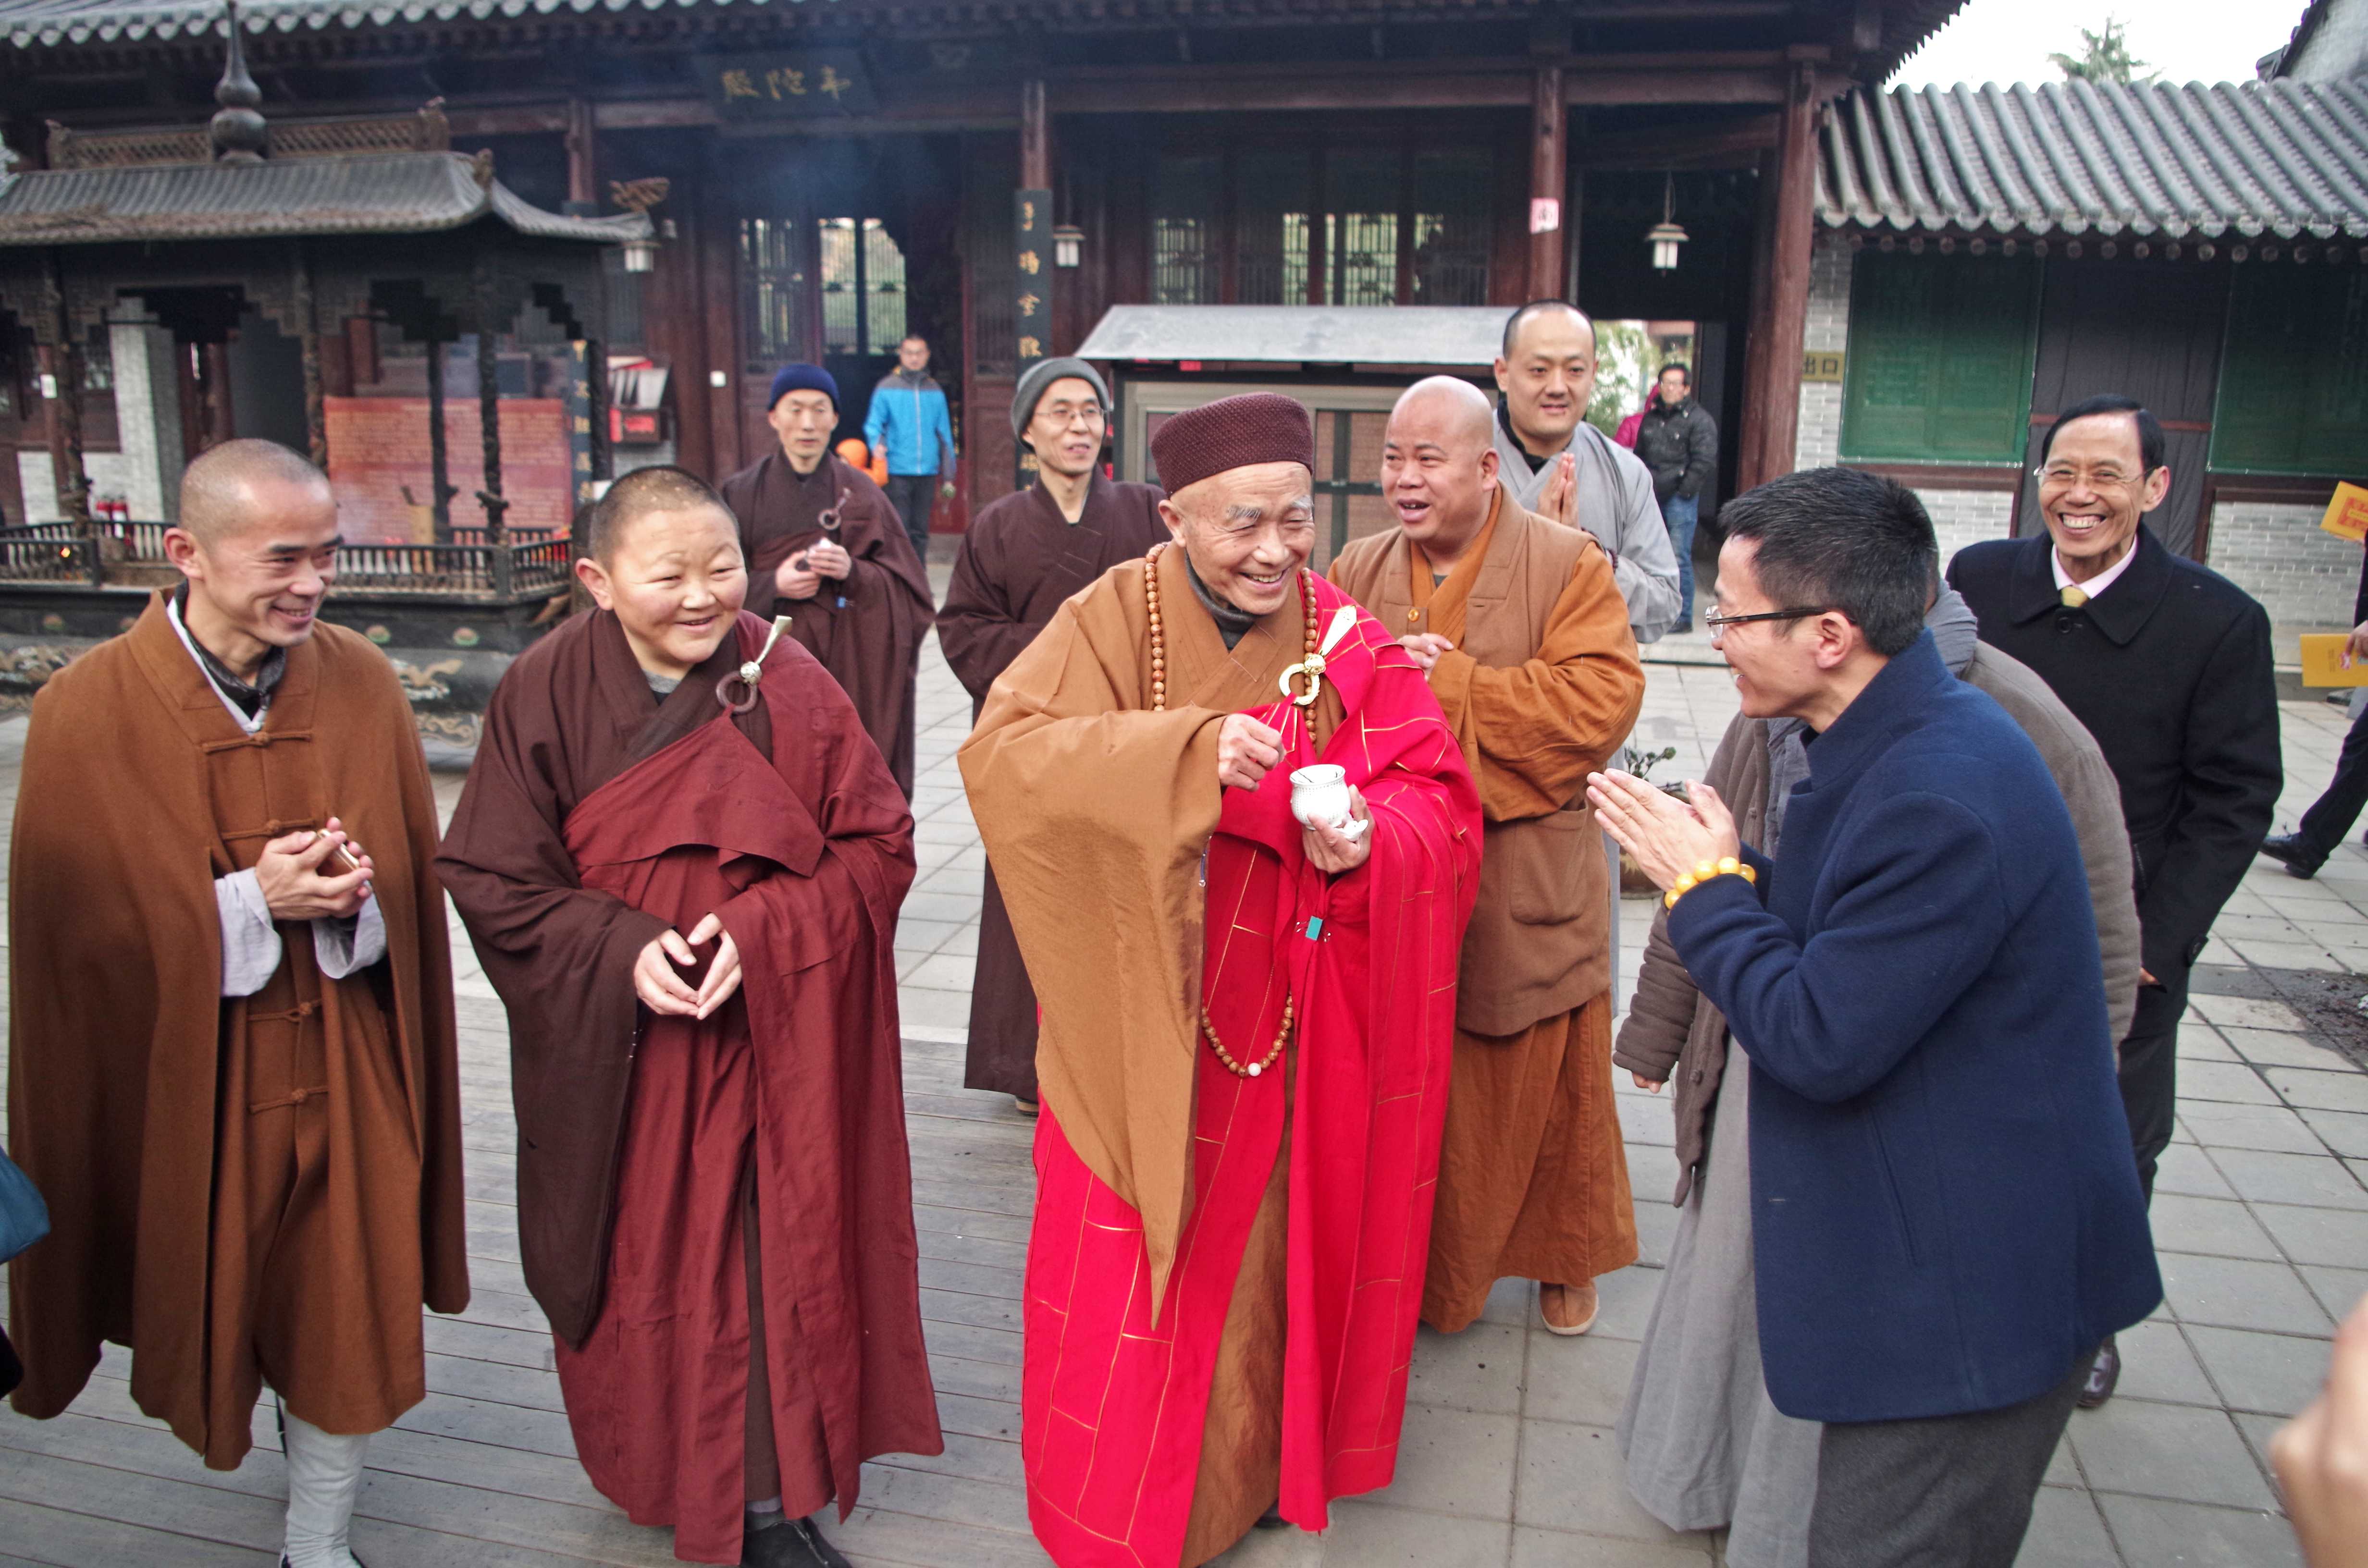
2103	57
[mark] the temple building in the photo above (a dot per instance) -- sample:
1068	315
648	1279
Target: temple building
1319	197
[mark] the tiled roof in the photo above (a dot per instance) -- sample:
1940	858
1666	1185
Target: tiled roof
2282	157
28	24
387	193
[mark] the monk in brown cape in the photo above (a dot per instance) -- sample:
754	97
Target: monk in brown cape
232	1050
1527	640
688	911
1023	556
825	547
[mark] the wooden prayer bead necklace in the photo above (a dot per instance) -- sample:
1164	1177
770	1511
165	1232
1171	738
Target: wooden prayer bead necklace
1158	636
1255	1068
1160	705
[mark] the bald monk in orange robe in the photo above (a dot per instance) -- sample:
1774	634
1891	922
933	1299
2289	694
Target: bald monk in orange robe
232	1055
1526	639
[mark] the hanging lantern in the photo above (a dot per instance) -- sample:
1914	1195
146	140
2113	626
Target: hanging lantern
1665	237
1068	245
641	255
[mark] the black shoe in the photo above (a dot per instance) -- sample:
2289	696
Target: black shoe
2103	1373
1683	628
793	1543
1272	1519
2288	850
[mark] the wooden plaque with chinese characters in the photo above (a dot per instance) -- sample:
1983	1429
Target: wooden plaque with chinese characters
792	85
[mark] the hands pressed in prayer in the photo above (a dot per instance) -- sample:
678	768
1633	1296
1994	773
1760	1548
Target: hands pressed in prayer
1247	750
290	875
1425	647
1557	502
1668	838
1330	849
658	981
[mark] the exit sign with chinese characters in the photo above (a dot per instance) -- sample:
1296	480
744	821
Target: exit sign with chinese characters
776	86
1823	364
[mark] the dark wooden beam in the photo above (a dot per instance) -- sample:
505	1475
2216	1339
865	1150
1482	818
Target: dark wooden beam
1547	179
1735	145
1772	406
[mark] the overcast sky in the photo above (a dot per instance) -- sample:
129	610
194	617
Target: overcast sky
2181	40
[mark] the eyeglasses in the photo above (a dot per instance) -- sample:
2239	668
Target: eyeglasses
2060	475
1719	622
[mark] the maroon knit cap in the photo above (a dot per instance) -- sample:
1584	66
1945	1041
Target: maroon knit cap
1233	432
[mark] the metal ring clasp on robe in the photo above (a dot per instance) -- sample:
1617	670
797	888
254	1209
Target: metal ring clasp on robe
750	673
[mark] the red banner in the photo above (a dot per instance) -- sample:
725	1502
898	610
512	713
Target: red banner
378	446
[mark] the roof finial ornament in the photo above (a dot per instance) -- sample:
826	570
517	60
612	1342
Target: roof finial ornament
239	133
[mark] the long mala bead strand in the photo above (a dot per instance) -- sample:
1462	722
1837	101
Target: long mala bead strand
1158	637
1160	705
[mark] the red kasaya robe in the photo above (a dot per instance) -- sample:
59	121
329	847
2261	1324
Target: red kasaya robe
1123	1342
789	1096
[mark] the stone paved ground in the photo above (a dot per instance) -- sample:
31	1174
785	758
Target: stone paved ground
2262	1220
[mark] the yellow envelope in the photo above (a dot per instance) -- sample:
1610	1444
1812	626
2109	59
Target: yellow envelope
2322	660
2347	514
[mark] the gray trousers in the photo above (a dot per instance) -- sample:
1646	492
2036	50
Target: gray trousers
1943	1492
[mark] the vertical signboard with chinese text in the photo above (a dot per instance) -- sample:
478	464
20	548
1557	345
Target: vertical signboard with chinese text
1031	229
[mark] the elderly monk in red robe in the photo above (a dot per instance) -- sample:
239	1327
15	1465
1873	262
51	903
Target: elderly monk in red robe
231	1047
1525	636
825	548
1023	556
1247	1021
680	859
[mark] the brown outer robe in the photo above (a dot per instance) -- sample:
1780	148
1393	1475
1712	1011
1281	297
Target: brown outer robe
872	646
119	1039
1105	817
1533	1179
1018	563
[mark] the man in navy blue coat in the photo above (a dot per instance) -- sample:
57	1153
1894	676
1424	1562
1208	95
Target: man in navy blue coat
1945	1214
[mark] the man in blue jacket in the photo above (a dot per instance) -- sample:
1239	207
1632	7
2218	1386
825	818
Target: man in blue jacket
909	424
1945	1215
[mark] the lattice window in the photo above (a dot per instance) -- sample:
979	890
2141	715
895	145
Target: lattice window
2294	376
1276	193
1184	232
862	286
1940	358
774	281
1451	228
1361	250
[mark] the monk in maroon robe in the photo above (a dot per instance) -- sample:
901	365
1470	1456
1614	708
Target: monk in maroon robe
824	547
688	909
1023	556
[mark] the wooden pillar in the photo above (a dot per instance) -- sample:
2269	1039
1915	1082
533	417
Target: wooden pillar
1547	181
1035	138
1771	415
1032	269
221	414
62	365
308	340
583	160
439	465
489	425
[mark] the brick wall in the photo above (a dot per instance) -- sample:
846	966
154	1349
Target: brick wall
2304	578
1818	442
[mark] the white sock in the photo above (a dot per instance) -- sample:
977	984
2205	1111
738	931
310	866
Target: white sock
325	1476
764	1515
